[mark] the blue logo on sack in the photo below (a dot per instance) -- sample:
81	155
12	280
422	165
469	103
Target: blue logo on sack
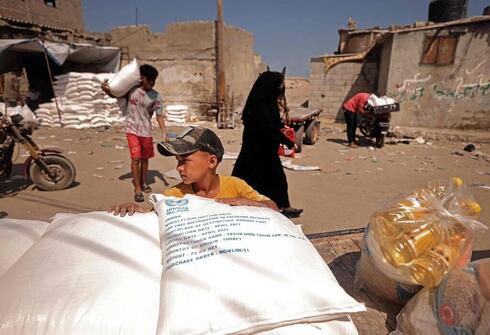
173	203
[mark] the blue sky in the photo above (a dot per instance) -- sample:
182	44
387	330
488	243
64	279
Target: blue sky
287	32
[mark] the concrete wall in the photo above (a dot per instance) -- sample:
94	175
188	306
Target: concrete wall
329	90
67	13
450	96
240	67
185	57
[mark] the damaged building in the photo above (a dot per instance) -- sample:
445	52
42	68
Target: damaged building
29	29
50	19
185	56
439	72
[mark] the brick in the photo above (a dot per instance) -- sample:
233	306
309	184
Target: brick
316	83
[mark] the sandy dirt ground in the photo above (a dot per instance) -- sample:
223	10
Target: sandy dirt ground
351	185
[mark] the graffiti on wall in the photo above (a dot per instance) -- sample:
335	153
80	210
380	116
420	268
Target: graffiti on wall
416	88
439	90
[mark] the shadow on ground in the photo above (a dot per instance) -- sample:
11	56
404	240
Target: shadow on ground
362	141
16	183
344	268
479	254
153	175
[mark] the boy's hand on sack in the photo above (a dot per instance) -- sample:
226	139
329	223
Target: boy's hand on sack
105	86
128	208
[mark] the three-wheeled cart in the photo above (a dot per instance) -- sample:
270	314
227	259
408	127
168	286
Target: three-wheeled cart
306	125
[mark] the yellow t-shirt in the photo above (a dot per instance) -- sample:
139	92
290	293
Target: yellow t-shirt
229	187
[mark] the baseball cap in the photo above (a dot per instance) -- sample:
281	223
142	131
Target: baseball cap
192	140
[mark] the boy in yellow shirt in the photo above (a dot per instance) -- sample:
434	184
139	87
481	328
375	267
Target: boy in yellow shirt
198	152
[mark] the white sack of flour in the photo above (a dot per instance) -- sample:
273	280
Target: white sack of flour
91	273
341	326
239	270
16	236
125	79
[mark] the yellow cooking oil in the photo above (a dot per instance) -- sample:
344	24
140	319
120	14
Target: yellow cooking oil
428	269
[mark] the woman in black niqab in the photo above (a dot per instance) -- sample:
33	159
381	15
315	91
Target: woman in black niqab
258	162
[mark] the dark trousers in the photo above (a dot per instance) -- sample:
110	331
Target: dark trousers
351	121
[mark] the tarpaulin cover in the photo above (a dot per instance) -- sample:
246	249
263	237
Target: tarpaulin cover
106	58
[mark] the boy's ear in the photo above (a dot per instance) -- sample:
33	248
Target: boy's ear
213	161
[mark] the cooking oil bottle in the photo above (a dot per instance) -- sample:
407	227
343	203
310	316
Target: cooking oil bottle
428	269
409	246
413	227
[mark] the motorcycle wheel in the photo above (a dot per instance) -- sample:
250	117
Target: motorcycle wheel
64	169
380	140
365	126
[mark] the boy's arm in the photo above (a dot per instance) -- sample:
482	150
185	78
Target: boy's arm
247	202
247	196
161	124
158	110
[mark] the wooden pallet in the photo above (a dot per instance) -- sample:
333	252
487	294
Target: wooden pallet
341	252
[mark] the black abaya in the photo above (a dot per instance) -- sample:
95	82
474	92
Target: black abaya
258	162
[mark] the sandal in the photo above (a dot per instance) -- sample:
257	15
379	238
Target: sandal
291	212
138	197
146	188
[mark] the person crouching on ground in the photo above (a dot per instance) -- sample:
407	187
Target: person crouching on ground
140	103
352	107
198	152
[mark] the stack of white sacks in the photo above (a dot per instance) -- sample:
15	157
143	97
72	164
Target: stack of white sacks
81	102
95	273
176	113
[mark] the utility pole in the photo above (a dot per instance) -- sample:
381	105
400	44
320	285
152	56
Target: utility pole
136	15
220	65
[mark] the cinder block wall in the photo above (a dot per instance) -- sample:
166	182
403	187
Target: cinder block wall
241	69
330	90
441	96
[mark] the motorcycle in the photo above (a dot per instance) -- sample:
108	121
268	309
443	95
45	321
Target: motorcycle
48	169
375	122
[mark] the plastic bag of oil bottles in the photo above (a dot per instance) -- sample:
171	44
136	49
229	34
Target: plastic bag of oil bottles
370	279
459	305
419	238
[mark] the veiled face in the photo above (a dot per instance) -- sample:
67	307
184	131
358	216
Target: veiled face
269	87
282	87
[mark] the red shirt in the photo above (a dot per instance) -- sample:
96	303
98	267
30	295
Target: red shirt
357	102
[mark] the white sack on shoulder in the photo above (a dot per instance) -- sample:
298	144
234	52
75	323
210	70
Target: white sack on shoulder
239	270
91	273
16	236
125	79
